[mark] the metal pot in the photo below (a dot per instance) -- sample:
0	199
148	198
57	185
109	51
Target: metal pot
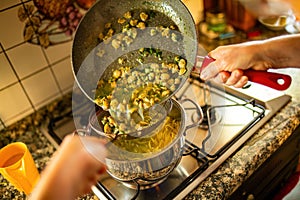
148	169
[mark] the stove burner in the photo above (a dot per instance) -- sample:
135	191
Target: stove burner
137	186
209	116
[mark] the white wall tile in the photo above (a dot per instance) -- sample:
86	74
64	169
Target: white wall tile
7	75
58	52
11	27
41	88
14	104
64	75
26	59
41	83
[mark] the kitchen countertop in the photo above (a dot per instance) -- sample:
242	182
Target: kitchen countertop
219	185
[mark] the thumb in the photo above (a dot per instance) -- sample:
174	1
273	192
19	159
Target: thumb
210	71
95	147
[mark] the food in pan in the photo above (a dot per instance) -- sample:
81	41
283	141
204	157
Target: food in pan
137	80
128	27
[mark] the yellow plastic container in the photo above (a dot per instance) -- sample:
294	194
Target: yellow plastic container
18	167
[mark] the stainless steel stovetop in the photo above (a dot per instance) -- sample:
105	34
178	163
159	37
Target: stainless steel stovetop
232	117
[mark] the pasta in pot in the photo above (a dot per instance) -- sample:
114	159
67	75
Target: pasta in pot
151	144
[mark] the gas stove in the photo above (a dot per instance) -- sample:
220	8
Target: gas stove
231	117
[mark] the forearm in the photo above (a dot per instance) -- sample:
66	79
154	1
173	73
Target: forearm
53	188
57	180
282	51
232	60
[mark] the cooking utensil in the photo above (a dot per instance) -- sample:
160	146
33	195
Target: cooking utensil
148	168
143	169
273	80
88	68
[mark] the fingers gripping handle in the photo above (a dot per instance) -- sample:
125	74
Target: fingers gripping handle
206	61
273	80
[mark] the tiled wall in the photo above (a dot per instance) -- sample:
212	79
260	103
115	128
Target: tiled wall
30	76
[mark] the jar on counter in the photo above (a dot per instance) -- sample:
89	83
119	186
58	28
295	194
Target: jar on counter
216	21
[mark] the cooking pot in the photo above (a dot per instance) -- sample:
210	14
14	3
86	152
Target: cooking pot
146	169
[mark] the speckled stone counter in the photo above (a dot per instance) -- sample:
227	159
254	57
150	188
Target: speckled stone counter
219	185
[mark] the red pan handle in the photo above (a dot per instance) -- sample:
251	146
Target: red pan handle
273	80
270	79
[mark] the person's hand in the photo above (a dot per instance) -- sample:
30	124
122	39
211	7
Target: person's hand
73	170
267	7
231	60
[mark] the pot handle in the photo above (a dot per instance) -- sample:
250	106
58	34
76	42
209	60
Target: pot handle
80	132
198	110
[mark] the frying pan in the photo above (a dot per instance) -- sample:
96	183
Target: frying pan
88	68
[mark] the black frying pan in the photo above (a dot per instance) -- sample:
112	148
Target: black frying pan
88	68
